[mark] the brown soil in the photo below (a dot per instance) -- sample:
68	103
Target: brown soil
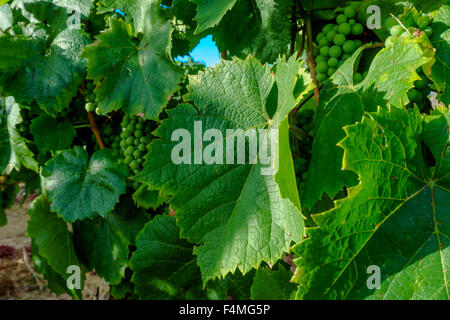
18	280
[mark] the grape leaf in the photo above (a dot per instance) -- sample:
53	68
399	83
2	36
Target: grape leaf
224	206
103	247
147	198
163	264
210	12
16	51
81	188
14	151
56	243
395	219
441	41
273	284
261	30
391	75
3	219
58	138
136	78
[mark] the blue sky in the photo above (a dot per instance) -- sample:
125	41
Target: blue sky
206	52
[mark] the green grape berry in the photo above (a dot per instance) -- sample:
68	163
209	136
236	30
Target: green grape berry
128	159
357	78
139	126
415	95
130	141
340	19
90	107
333	62
358	43
331	71
345	29
389	42
324	51
345	56
352	22
327	28
339	39
349	46
390	22
321	77
137	154
396	30
138	133
320	58
335	51
357	29
140	160
331	34
428	31
406	34
320	36
97	111
421	84
350	12
324	42
129	150
322	67
142	147
134	165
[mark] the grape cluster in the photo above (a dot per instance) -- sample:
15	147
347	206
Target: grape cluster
420	92
134	141
90	98
337	42
304	121
420	23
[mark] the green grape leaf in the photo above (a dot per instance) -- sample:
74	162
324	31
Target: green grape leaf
210	12
222	206
441	41
14	151
163	264
273	284
81	188
3	219
136	78
51	80
394	222
102	246
56	243
147	198
391	75
16	51
58	138
261	30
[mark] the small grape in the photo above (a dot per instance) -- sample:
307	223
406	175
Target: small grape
349	46
90	107
336	28
350	12
108	131
321	77
320	58
134	165
390	22
345	56
128	159
129	150
324	42
137	154
322	67
358	43
389	43
333	62
139	126
345	29
396	30
357	29
138	133
143	140
324	51
421	84
357	78
340	19
142	147
415	95
327	28
97	111
331	71
352	22
339	39
330	35
335	51
320	36
406	34
131	127
140	160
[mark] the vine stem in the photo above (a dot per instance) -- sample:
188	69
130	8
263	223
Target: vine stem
311	61
95	130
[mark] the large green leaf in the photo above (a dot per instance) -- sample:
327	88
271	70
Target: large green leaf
441	41
262	30
273	284
397	219
58	138
51	236
80	187
239	216
210	12
391	75
163	264
14	151
136	78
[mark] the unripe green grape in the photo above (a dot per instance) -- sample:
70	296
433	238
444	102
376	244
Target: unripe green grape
140	160
130	141
327	28
421	84
330	35
320	36
357	78
128	159
324	42
143	140
108	131
129	150
339	39
342	18
345	29
426	92
138	133
415	95
428	31
407	34
131	127
333	62
137	154
134	165
124	134
321	77
389	43
357	29
322	67
352	22
320	58
335	51
324	51
142	147
345	56
349	46
97	111
350	12
139	126
90	107
136	142
123	144
336	28
331	71
390	22
358	43
396	30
